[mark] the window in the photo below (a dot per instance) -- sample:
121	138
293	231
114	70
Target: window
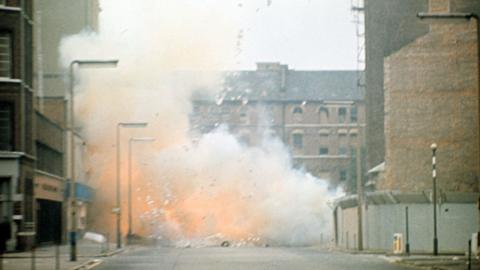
323	115
6	126
297	110
323	151
49	160
297	139
343	175
354	114
5	54
342	115
342	150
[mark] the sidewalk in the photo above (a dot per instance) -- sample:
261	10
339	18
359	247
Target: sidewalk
88	254
434	262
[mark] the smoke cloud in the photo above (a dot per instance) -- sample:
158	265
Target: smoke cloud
200	192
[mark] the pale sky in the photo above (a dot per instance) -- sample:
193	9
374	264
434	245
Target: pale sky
305	34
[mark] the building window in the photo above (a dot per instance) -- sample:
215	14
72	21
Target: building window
5	54
297	139
49	160
6	126
342	151
297	110
342	114
323	151
243	116
354	114
343	175
323	114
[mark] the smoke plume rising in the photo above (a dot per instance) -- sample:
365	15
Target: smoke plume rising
212	189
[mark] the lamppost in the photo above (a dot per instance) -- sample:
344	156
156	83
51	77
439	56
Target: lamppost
130	152
71	126
118	207
434	177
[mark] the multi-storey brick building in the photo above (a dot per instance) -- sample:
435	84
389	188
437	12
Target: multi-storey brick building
430	88
17	137
319	115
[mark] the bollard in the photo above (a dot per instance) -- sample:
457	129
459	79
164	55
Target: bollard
469	261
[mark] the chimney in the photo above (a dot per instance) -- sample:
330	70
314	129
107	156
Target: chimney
439	6
275	66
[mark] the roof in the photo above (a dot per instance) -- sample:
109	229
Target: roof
291	85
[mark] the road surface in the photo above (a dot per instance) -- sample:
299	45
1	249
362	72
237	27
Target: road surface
243	258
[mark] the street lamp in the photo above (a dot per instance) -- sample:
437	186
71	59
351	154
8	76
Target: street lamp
118	208
71	126
434	176
130	152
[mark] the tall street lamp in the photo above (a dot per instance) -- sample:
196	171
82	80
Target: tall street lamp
130	152
434	177
118	207
71	126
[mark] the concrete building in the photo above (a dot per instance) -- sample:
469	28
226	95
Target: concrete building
319	115
17	136
431	96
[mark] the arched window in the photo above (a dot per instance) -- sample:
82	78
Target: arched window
297	110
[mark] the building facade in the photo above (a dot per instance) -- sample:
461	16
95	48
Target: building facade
319	115
17	136
54	21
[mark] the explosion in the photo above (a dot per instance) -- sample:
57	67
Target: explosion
201	192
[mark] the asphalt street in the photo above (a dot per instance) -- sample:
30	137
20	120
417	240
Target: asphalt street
244	258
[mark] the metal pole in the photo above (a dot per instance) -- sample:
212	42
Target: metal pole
469	262
32	265
129	189
73	202
434	176
407	246
119	230
359	192
57	256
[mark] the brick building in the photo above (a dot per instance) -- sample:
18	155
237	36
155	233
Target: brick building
17	136
430	96
32	159
319	115
389	25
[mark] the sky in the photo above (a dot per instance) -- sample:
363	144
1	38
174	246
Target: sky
305	34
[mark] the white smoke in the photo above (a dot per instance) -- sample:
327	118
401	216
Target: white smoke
215	187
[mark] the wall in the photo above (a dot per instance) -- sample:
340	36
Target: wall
389	25
431	95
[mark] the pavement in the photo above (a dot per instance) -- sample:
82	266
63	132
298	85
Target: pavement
249	258
435	262
89	255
